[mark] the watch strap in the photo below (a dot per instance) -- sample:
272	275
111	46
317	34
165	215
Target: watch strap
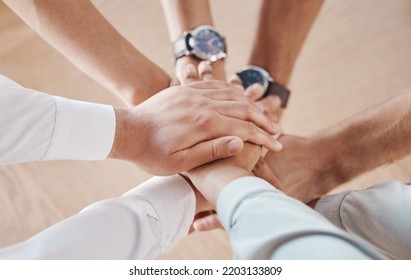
279	90
181	46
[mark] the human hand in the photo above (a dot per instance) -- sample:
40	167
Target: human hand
302	168
186	69
186	126
269	105
211	178
208	220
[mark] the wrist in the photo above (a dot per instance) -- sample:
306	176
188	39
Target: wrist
329	173
210	181
119	136
143	88
123	145
201	202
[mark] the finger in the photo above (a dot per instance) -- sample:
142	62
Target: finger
199	216
263	171
235	80
190	74
264	151
271	107
218	85
208	151
254	92
248	131
174	82
248	112
205	71
206	223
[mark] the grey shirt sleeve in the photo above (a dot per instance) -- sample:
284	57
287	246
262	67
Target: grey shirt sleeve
379	215
264	223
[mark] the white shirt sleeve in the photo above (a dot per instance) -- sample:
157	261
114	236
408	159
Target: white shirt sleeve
143	223
264	223
38	126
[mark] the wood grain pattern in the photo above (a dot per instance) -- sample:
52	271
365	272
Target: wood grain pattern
357	55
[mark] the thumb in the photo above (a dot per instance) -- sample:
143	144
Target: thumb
211	150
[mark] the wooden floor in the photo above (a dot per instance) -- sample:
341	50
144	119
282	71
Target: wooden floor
357	55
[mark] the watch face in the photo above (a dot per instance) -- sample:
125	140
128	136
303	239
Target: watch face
208	44
252	76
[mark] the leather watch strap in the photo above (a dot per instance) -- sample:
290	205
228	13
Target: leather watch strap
277	89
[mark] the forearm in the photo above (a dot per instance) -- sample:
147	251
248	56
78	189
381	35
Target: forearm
282	29
185	15
84	36
368	140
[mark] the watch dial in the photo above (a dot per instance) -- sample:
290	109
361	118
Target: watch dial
251	76
208	43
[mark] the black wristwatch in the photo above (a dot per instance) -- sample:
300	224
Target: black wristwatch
203	42
250	74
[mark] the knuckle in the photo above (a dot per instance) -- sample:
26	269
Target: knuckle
248	109
206	120
252	128
229	94
179	160
217	150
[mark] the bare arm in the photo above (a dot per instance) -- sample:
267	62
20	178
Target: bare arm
184	15
281	32
309	168
85	37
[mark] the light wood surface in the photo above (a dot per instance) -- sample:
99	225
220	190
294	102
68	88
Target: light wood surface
357	55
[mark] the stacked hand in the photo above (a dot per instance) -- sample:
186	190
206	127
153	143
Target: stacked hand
188	125
209	179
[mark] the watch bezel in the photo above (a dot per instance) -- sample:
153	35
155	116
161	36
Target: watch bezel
267	78
191	45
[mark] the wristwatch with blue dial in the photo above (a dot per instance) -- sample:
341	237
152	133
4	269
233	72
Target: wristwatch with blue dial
250	74
203	42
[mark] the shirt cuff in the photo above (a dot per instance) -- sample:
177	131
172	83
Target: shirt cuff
174	202
83	131
235	192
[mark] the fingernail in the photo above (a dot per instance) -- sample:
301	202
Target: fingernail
257	88
190	69
235	80
199	226
235	146
276	127
204	65
276	136
174	82
278	146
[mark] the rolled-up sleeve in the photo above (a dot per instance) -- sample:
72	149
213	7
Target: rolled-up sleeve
378	215
38	126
